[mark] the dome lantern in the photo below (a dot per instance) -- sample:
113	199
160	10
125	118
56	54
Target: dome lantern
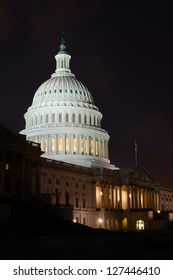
62	60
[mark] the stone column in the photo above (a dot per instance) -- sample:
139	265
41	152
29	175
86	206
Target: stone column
88	145
139	195
94	145
71	137
56	144
99	143
63	144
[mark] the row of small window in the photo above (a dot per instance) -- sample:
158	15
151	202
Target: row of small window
166	198
90	120
85	94
66	183
68	202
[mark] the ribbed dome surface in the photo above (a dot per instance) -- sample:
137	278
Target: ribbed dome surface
62	88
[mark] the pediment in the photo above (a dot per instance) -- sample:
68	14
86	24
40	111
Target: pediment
142	175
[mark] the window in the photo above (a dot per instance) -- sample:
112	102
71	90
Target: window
57	182
6	166
76	185
84	221
67	145
36	120
124	224
85	119
80	119
77	202
41	119
73	118
60	117
74	145
66	183
47	118
90	121
83	203
139	225
53	145
60	145
66	117
97	147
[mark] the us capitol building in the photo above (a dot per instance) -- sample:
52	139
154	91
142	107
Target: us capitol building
62	161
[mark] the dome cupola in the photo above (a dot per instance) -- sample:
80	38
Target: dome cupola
65	121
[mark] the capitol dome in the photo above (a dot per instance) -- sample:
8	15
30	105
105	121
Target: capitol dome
65	121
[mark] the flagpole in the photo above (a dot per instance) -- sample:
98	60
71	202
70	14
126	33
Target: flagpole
136	154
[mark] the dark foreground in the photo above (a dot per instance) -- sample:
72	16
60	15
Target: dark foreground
106	246
36	234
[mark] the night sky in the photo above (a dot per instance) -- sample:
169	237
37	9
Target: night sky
123	55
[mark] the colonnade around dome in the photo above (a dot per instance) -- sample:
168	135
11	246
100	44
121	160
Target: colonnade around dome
72	144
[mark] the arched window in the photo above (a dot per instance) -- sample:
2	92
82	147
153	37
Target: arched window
60	117
41	119
80	118
90	121
74	145
73	118
66	117
53	145
60	145
85	119
47	118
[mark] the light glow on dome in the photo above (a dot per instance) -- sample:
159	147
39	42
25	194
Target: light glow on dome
65	121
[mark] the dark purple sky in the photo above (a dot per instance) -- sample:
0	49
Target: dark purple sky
123	56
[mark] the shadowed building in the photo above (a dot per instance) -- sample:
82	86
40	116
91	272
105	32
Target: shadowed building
65	161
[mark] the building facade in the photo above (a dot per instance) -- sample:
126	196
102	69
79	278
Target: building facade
63	163
121	199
